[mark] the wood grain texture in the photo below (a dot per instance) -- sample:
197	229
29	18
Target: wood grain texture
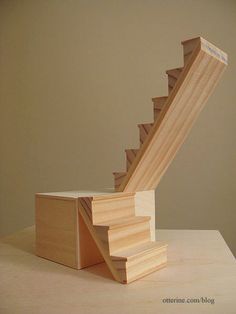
173	76
204	65
88	252
200	264
80	229
100	244
56	230
113	206
145	206
125	234
144	260
61	235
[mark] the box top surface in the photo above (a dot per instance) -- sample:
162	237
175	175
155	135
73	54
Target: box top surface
77	194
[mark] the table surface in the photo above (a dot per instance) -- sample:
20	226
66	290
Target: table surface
201	272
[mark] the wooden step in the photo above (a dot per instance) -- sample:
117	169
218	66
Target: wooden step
114	206
143	131
130	156
139	261
123	222
118	178
158	103
125	246
173	76
188	47
121	234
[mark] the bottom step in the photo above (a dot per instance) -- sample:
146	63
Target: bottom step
137	262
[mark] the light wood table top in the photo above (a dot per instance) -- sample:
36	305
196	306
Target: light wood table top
200	265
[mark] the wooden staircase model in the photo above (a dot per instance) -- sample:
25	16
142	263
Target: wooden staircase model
79	229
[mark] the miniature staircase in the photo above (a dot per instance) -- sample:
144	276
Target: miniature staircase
188	87
122	238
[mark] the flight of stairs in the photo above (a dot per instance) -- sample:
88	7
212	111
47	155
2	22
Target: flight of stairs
122	238
146	130
158	104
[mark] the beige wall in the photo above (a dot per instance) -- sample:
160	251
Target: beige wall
75	79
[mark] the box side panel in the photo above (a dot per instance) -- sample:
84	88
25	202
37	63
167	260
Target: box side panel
56	228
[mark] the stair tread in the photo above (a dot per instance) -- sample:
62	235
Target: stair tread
132	149
142	124
138	250
121	222
113	196
170	71
159	98
119	173
195	39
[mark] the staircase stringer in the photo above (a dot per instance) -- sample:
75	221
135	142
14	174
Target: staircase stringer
103	251
203	49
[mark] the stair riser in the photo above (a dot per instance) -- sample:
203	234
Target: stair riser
122	238
173	76
171	83
118	178
144	129
141	266
156	113
158	104
112	209
188	48
130	156
128	236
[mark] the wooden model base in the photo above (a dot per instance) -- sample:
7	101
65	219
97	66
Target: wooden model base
80	229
